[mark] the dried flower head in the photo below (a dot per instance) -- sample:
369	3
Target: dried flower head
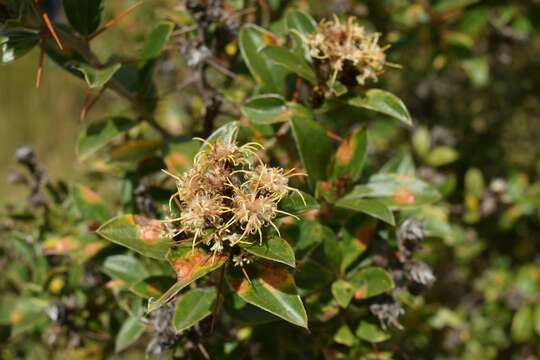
348	46
388	314
224	198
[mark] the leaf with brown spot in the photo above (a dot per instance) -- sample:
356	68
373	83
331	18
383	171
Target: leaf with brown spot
152	286
271	288
140	234
179	156
351	155
189	265
370	282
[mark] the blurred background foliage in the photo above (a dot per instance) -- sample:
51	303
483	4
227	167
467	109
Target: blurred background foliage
470	78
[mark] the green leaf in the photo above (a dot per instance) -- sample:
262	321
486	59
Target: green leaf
291	61
300	21
421	141
313	146
351	155
130	331
126	268
99	134
189	264
152	286
372	207
135	150
294	203
477	69
155	42
344	336
226	133
370	282
383	102
267	109
23	314
251	39
97	77
343	292
442	155
91	206
396	191
193	306
14	43
179	155
271	288
370	332
272	248
522	324
354	245
84	15
140	234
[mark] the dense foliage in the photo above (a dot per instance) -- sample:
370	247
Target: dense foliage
282	180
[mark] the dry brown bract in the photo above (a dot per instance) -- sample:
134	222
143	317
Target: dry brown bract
225	198
347	44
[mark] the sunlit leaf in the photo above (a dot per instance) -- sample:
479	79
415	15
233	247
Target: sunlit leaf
193	306
272	248
100	133
383	102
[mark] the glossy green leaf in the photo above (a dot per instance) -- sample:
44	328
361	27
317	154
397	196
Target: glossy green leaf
100	133
343	292
226	133
370	332
300	21
522	324
270	76
140	234
297	203
84	15
370	282
396	191
189	264
351	155
314	147
291	61
130	331
14	43
126	268
97	77
91	205
193	306
372	207
271	288
442	155
266	109
152	286
155	42
383	102
272	248
354	245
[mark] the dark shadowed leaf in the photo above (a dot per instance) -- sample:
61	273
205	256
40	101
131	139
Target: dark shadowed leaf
100	133
152	286
84	15
189	264
291	61
351	155
272	248
134	150
372	207
313	146
383	102
294	203
270	288
143	235
370	282
270	76
14	43
193	306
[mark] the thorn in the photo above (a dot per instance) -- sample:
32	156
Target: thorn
39	72
90	102
114	20
49	25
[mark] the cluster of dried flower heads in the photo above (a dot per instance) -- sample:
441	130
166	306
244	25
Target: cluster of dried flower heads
227	197
347	46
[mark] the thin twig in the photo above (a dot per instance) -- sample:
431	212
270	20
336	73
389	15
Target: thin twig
114	20
49	25
89	103
40	67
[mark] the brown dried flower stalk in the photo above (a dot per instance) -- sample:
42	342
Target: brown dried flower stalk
224	198
348	46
